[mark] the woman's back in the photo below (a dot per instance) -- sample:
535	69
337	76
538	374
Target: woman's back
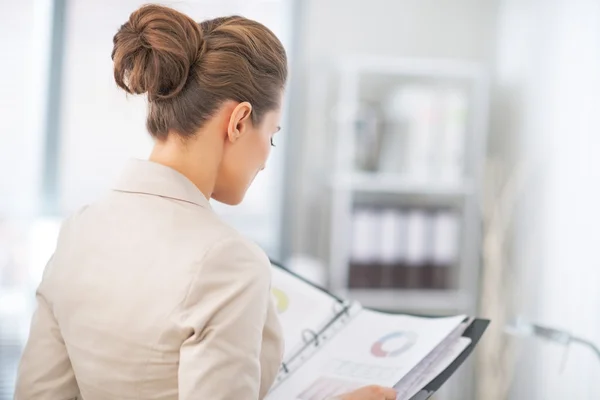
149	295
147	280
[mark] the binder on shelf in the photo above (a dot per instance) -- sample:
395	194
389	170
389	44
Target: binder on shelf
365	267
445	248
393	227
334	346
417	246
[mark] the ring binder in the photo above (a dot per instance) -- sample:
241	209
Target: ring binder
341	307
314	338
334	362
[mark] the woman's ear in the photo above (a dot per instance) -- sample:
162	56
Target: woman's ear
239	120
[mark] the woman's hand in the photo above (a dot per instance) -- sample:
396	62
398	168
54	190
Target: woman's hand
370	393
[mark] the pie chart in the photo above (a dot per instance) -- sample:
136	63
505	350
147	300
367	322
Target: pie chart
281	300
393	344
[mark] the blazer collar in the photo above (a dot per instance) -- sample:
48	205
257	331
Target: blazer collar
141	176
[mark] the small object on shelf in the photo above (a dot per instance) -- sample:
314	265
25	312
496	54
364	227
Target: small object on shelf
368	141
451	138
411	120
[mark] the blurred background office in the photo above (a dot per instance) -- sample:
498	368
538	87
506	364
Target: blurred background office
437	157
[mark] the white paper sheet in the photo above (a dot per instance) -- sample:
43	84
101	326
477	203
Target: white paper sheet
411	379
373	348
300	307
450	354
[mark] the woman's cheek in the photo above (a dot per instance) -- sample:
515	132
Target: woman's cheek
266	151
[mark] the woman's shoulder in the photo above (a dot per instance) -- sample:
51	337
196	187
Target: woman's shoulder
232	263
234	249
228	248
193	236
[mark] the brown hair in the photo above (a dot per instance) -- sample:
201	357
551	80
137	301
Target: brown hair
188	69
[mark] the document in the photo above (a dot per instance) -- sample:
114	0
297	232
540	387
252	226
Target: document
334	346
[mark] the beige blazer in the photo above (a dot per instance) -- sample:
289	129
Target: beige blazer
149	295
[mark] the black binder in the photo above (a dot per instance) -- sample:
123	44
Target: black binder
474	331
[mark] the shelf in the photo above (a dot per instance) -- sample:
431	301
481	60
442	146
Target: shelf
412	67
413	301
388	183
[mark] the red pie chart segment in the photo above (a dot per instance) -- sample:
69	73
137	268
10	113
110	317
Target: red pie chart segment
378	350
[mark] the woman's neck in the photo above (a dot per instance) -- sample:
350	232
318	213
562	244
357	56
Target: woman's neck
196	159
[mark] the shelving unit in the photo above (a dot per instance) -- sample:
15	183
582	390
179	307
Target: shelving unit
350	187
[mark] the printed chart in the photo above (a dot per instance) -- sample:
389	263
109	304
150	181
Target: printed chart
327	387
393	344
282	301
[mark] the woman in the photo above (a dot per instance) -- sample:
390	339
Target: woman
149	295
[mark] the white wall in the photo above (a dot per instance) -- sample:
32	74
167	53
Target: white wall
549	61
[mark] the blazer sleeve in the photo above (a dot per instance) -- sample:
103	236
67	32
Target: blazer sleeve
226	309
45	370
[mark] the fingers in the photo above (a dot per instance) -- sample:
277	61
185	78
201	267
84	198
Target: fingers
384	393
389	393
372	392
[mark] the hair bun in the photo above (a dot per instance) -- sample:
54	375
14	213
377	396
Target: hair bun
154	51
